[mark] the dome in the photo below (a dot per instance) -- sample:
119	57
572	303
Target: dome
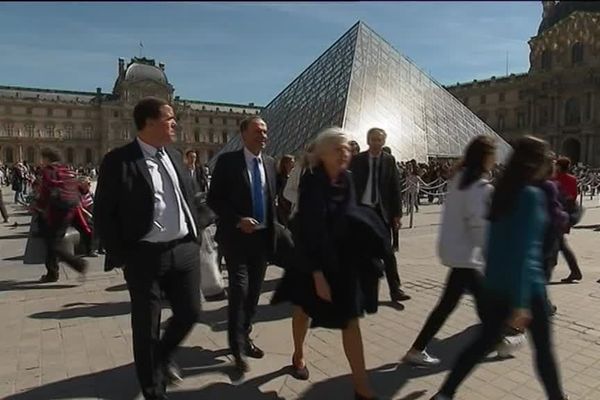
140	72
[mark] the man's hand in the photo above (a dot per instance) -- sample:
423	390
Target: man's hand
397	223
248	225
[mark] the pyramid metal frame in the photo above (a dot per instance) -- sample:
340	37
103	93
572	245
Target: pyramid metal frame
361	82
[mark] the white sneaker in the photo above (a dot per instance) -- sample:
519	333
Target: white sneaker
510	344
420	358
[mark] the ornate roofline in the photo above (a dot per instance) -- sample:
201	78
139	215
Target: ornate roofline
485	82
558	24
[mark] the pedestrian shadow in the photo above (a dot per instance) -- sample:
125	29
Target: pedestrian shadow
595	227
10	285
217	319
117	288
120	383
79	310
392	304
15	236
15	258
387	380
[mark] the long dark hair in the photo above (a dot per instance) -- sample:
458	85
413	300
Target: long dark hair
478	150
528	159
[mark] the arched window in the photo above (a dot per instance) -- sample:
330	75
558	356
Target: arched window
30	155
577	53
8	155
70	155
572	111
546	59
89	159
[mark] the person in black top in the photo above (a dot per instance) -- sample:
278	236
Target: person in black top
335	275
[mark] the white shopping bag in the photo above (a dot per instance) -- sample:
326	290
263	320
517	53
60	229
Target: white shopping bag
210	275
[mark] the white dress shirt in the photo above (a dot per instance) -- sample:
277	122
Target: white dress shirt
263	177
366	198
170	208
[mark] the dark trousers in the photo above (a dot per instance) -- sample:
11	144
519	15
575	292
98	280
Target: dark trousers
496	312
246	266
3	207
390	263
150	270
55	249
458	282
569	256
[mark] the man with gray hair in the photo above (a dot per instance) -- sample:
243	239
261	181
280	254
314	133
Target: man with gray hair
378	187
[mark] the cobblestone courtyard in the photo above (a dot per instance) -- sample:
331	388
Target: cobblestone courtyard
72	340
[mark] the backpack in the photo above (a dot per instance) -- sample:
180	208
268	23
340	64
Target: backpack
64	189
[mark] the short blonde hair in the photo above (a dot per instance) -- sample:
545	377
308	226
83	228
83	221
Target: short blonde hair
324	140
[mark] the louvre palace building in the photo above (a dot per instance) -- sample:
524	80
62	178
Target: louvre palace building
558	99
83	126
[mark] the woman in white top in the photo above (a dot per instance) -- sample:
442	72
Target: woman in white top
461	240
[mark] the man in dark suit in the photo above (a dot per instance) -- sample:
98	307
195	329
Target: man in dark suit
378	187
144	217
242	194
197	172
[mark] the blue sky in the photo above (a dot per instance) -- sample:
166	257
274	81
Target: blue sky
248	52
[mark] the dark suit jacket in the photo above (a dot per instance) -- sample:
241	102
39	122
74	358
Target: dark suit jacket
200	179
124	206
389	183
230	197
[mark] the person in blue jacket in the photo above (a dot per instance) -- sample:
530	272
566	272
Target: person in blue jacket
514	283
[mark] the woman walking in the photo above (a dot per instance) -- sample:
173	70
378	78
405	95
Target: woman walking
514	283
339	250
462	236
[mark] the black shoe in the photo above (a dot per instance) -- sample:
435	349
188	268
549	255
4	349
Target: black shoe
48	278
92	254
300	373
241	365
6	221
217	297
81	266
572	278
399	295
173	374
252	350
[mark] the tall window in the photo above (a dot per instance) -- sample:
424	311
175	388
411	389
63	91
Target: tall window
30	155
49	112
29	129
89	159
543	116
28	111
572	111
196	135
224	121
69	129
8	155
577	53
501	97
70	155
210	120
224	137
49	130
546	60
88	130
69	113
211	137
9	128
501	122
482	99
588	106
520	119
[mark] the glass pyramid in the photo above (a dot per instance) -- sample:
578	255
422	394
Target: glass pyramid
362	82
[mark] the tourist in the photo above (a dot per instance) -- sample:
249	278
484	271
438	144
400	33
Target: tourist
291	190
354	148
339	247
461	241
284	207
514	283
567	186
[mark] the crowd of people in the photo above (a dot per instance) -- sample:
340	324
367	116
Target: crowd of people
330	217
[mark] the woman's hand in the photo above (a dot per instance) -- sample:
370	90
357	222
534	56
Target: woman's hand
520	319
322	287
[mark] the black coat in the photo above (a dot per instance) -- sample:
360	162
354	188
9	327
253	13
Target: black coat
346	242
389	183
124	203
230	197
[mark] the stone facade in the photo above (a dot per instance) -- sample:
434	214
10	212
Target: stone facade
83	126
558	99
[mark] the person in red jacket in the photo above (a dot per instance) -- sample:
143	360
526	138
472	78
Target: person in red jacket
567	186
59	207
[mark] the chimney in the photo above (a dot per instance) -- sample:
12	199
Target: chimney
121	67
548	7
161	66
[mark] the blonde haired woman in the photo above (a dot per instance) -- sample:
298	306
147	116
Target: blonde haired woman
335	280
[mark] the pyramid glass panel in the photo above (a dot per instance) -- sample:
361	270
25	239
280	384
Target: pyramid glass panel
361	82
